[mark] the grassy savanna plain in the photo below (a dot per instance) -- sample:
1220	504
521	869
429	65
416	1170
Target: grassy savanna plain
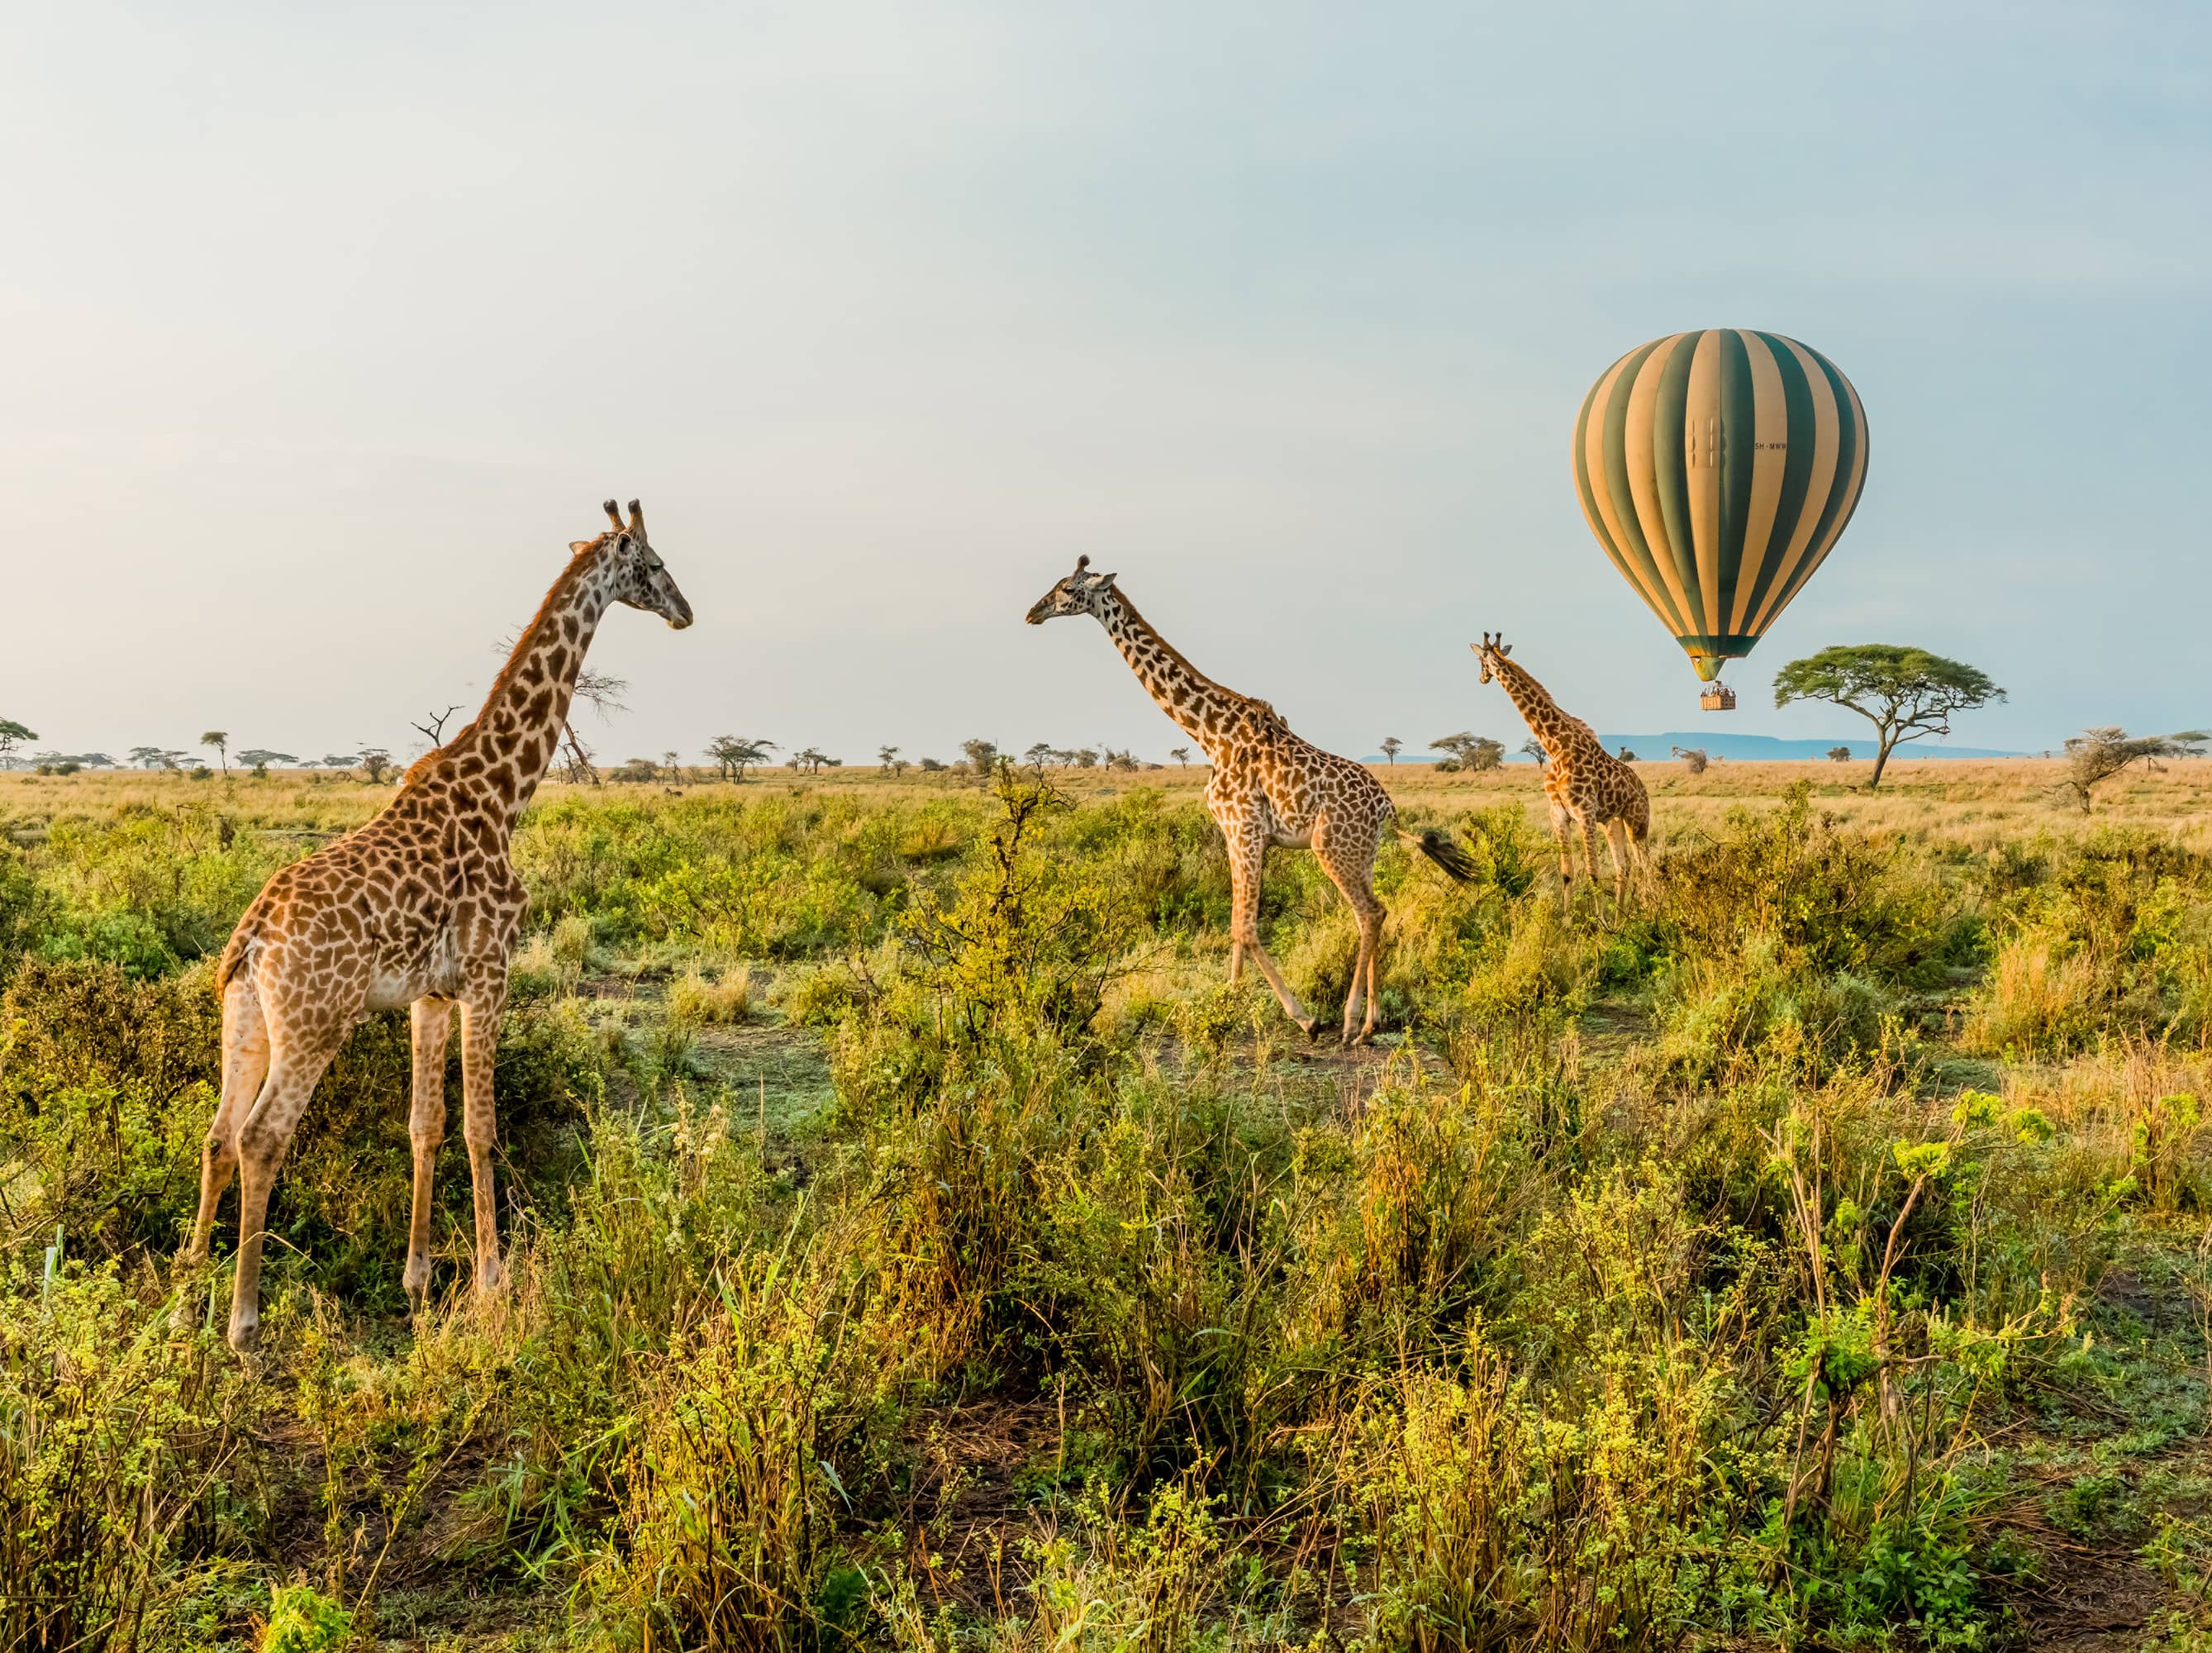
917	1243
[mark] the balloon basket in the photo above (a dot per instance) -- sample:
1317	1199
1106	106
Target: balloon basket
1718	697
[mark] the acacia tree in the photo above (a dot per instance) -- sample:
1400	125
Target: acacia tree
1182	756
1467	750
889	757
1534	748
2097	754
11	734
1392	747
734	754
220	742
1905	692
1036	754
982	755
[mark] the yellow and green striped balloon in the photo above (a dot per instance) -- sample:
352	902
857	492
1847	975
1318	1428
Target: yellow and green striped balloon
1717	468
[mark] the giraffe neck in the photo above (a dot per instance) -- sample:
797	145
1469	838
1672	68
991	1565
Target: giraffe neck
506	751
1203	709
1538	709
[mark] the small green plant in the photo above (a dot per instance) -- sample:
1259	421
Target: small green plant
302	1621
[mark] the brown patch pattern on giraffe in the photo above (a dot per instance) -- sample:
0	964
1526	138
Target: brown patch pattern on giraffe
1583	782
419	906
1268	786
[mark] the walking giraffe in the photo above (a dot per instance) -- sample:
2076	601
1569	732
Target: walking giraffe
1582	780
420	908
1267	787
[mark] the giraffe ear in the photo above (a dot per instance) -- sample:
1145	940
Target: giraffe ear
578	547
1505	648
1104	579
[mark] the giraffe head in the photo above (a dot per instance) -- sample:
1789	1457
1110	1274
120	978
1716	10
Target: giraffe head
1081	592
641	579
1490	651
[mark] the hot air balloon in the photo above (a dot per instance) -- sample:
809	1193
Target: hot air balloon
1717	468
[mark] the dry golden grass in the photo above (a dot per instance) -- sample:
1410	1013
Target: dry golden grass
1982	799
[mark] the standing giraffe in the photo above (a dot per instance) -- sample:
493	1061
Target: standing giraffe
419	906
1267	787
1582	780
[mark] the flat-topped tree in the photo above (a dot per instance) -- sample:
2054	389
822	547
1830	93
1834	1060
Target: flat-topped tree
1905	692
220	742
12	734
1468	750
734	754
1392	747
2095	756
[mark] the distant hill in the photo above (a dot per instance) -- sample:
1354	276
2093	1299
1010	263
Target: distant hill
1753	748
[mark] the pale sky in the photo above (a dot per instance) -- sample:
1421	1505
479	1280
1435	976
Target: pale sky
327	329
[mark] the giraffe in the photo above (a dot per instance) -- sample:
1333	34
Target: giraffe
1583	780
1267	787
419	906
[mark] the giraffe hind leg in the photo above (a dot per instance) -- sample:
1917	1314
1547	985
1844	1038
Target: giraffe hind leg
1353	873
295	1066
1247	856
1589	855
1616	849
1567	857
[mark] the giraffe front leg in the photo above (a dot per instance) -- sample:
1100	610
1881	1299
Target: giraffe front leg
431	1021
480	1017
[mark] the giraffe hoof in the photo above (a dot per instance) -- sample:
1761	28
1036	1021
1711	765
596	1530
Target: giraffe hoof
1311	1028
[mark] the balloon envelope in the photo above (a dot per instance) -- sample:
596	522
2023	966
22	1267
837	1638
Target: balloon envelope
1718	468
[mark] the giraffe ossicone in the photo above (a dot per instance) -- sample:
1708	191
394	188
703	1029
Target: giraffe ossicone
418	908
1268	786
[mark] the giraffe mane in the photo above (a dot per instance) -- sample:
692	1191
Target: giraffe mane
555	594
1253	702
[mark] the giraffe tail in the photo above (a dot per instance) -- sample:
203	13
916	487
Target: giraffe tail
235	951
1441	850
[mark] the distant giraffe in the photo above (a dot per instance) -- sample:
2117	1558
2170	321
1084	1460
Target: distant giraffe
1267	787
1582	780
419	906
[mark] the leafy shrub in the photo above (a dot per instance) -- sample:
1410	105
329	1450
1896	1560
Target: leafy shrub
111	1448
731	1497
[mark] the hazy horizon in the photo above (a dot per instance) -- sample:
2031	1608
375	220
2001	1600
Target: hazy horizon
328	332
